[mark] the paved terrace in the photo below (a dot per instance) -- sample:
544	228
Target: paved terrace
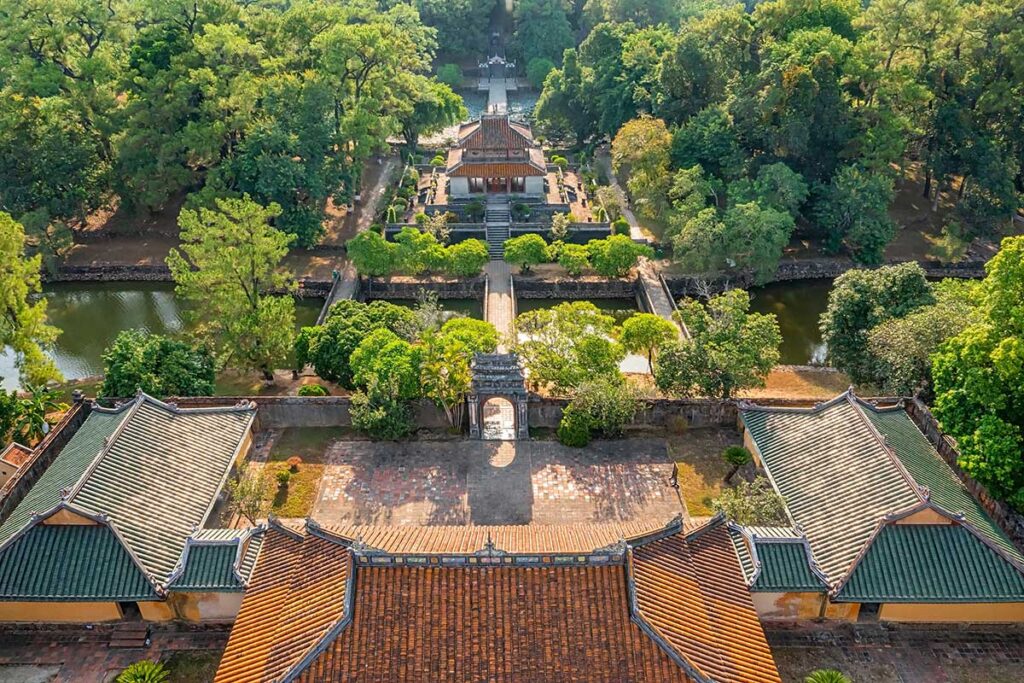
495	483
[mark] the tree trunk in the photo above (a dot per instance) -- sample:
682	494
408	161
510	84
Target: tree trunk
268	374
732	473
960	192
927	194
938	193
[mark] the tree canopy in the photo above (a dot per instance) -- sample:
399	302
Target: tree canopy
979	380
228	270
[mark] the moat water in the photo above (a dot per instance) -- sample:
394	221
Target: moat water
91	314
798	304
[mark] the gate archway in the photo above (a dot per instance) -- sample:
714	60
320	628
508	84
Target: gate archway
498	398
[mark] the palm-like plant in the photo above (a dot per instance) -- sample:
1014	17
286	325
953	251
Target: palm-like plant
144	671
31	422
827	676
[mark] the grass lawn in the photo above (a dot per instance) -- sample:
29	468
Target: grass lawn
193	666
810	384
701	469
295	499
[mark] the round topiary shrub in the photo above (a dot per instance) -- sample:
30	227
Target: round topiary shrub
283	477
313	390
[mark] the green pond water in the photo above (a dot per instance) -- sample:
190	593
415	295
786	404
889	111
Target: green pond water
470	308
620	309
90	315
798	304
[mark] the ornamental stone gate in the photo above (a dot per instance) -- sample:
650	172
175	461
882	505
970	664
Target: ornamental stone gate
498	376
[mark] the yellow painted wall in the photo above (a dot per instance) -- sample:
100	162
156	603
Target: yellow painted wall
68	518
842	611
243	451
994	612
771	606
748	443
925	516
156	611
64	612
6	472
206	606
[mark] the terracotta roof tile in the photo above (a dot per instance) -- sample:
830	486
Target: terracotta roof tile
495	132
16	454
297	593
496	623
691	590
524	538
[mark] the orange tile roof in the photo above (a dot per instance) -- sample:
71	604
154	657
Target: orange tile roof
495	132
496	623
691	590
16	454
295	597
494	169
523	538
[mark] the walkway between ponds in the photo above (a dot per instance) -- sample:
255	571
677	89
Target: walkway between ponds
497	96
656	294
346	284
499	309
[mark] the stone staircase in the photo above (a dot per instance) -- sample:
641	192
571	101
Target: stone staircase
496	221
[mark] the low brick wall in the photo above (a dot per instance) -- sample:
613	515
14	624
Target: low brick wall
528	287
43	456
410	288
281	412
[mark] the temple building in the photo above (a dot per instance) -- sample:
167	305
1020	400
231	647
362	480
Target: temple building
113	526
601	603
495	155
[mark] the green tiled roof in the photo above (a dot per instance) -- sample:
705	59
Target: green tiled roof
930	470
931	563
78	562
66	469
210	567
210	560
785	566
836	476
154	472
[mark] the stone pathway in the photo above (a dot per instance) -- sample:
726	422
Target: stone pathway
900	654
496	482
80	655
634	225
499	309
497	96
656	294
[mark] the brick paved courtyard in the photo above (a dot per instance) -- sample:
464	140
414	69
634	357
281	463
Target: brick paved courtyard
490	482
876	654
75	654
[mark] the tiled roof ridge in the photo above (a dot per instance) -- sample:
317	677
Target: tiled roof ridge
129	409
920	491
332	632
242	405
238	541
800	539
651	631
674	526
100	519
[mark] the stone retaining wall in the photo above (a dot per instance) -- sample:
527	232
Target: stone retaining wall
810	269
410	288
527	287
106	272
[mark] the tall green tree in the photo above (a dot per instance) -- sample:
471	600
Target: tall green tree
23	325
853	213
157	365
542	30
859	301
728	349
228	270
979	380
567	345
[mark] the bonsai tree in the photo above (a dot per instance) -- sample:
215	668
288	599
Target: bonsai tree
247	497
144	671
283	477
526	251
293	463
475	211
737	457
